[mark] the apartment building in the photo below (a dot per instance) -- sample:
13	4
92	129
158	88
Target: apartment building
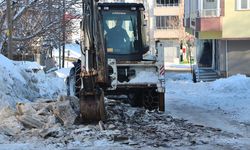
221	28
168	27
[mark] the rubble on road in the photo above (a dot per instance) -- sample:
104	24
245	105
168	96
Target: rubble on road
66	109
52	123
9	125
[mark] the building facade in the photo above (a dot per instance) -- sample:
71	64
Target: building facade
222	33
168	28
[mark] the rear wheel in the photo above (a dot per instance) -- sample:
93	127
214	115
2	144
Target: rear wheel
147	98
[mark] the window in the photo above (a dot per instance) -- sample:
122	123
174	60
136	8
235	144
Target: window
167	22
243	4
167	2
121	31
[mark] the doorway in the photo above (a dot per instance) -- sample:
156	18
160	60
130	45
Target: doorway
205	55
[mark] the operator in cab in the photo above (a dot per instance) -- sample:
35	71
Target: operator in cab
117	38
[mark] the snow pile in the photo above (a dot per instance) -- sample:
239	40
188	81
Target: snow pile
25	81
230	96
231	84
28	65
63	73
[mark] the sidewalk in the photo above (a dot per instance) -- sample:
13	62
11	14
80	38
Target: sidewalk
169	67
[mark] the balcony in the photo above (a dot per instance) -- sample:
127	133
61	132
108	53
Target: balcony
206	13
167	3
208	24
205	20
208	20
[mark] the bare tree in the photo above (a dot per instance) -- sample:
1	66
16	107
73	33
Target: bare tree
36	23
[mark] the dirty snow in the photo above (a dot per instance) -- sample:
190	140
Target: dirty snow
125	128
224	104
128	127
26	81
231	95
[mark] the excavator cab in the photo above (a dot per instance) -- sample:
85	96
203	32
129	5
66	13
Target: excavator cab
123	29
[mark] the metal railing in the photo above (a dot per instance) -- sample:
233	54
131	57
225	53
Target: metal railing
205	13
195	72
168	5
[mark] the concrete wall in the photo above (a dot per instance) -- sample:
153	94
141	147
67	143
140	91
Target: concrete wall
220	57
235	22
171	55
167	11
238	57
209	35
167	34
171	51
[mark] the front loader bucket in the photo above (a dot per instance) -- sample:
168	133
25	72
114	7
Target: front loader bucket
92	107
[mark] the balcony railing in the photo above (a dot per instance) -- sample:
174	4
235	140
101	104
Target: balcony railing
168	5
208	13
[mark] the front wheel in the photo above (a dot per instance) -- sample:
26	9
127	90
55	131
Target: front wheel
71	82
135	99
147	98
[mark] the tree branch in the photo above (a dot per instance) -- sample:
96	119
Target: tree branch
38	32
23	10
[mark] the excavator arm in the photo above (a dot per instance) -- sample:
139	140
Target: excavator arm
93	64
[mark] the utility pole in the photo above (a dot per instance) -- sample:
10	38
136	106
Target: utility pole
60	53
50	20
59	36
63	30
10	28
